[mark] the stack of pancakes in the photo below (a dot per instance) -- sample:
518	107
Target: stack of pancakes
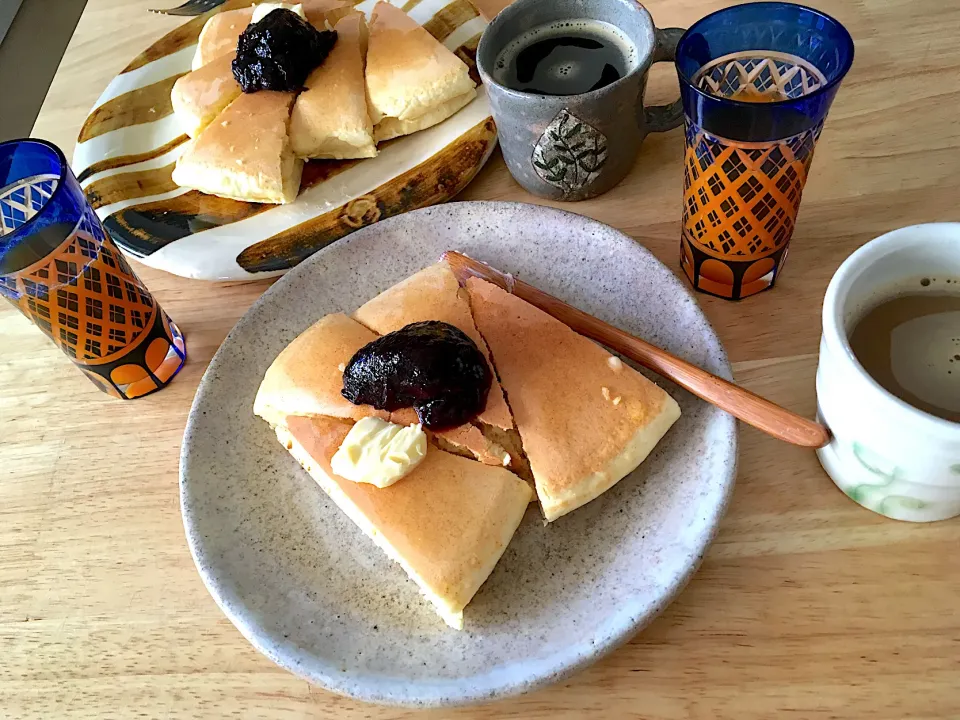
377	83
564	422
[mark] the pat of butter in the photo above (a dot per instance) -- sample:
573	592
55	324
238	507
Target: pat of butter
379	452
263	9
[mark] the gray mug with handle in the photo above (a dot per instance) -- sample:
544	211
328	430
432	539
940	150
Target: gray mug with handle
573	147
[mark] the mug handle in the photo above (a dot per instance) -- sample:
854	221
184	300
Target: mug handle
660	118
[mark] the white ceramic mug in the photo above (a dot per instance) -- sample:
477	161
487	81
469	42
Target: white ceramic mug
887	455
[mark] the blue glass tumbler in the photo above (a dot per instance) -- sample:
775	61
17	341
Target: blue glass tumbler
756	81
58	267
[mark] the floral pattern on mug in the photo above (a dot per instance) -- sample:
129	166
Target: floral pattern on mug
885	495
885	471
889	491
570	153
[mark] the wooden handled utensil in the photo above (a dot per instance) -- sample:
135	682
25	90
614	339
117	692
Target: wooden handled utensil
742	404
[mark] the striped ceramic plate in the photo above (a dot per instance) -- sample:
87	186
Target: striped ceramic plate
130	141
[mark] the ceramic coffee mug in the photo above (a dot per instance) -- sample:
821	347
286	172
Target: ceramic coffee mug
887	455
537	131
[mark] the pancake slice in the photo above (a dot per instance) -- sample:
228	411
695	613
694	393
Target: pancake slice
330	118
306	378
220	34
413	81
446	523
199	96
245	153
586	419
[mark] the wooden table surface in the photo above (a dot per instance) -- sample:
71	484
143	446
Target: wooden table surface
805	603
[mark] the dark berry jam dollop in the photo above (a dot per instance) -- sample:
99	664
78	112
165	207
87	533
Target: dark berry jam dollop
279	52
430	366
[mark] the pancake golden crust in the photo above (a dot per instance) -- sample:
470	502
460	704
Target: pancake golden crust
306	378
244	153
586	419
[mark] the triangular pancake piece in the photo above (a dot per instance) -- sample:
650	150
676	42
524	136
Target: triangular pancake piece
220	34
586	418
244	153
446	523
330	118
306	378
413	81
433	294
199	96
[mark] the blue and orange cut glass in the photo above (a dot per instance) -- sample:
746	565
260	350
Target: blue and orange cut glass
757	81
67	277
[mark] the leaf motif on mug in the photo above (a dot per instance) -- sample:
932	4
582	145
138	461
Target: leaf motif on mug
570	153
885	471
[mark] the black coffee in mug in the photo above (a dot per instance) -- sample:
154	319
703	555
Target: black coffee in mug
566	58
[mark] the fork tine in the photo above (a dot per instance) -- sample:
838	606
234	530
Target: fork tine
191	8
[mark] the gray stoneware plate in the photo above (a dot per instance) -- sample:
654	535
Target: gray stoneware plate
311	592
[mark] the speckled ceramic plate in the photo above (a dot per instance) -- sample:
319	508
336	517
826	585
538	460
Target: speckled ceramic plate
309	590
131	140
